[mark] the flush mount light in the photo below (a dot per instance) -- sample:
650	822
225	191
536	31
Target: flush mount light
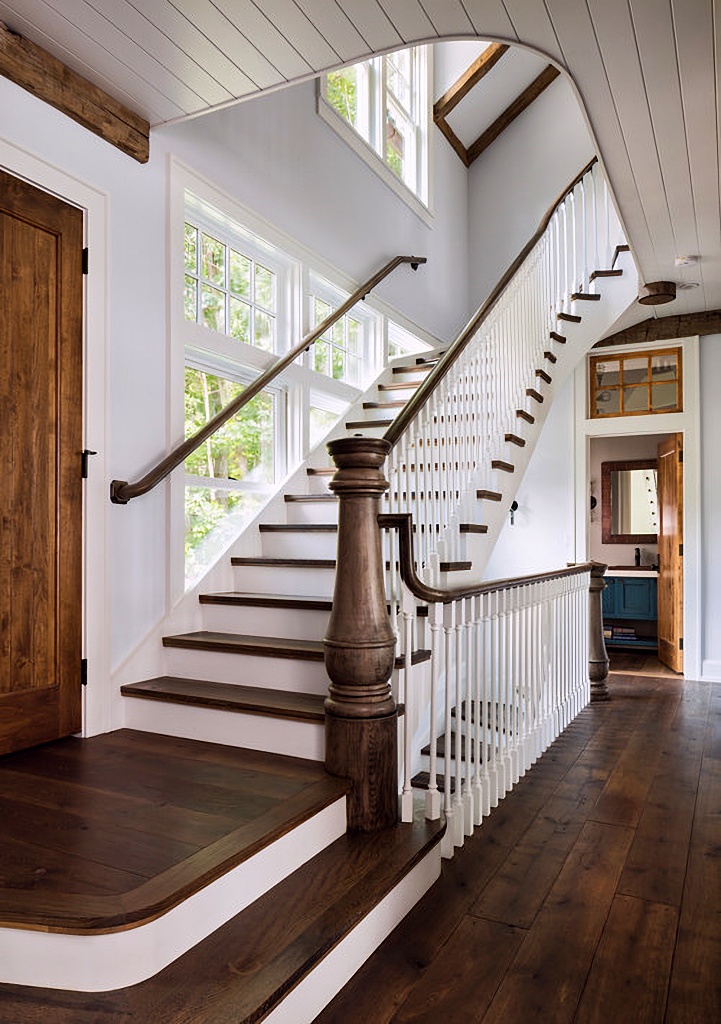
685	261
656	293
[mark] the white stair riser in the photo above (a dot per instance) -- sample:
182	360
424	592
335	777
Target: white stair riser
315	512
318	484
299	545
247	669
275	579
97	963
231	728
294	623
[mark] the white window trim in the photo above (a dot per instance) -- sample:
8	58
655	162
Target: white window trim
423	207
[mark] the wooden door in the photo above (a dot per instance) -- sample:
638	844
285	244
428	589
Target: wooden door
41	242
670	552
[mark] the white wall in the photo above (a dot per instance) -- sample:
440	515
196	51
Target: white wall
710	358
513	183
542	535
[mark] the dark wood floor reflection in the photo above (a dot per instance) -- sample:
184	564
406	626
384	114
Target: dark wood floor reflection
592	894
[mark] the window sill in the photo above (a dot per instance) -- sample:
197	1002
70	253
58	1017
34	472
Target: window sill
371	158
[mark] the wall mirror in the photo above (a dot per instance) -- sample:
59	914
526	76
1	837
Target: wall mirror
629	502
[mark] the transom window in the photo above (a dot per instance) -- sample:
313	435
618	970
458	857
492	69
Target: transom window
636	383
385	101
229	291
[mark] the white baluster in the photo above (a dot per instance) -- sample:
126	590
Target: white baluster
408	614
447	842
433	797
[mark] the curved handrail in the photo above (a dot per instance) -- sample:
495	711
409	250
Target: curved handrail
402	522
409	412
121	492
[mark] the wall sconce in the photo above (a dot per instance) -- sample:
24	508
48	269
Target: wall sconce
513	509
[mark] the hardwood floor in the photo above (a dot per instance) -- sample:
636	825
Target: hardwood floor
592	893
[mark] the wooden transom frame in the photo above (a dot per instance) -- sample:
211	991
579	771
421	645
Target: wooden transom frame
595	389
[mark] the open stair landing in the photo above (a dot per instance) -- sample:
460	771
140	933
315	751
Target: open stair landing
104	836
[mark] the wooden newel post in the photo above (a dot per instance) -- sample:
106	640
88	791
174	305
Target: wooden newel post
360	713
597	656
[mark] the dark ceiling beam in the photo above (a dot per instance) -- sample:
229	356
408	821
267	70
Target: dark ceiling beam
36	70
664	328
470	77
509	115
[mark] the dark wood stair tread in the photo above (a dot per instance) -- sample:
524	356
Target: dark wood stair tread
570	318
263	646
414	368
422	780
507	467
489	495
249	600
325	471
395	404
291	498
473	528
544	376
586	297
535	395
555	336
288	563
258	700
400	386
521	414
455	566
550	357
515	439
362	424
441	746
298	527
606	273
617	253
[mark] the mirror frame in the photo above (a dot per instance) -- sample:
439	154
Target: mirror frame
607	537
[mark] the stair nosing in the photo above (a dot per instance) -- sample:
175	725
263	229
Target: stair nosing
248	699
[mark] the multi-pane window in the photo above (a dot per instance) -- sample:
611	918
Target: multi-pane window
229	291
385	100
338	352
636	383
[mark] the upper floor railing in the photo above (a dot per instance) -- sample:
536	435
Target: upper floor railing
121	492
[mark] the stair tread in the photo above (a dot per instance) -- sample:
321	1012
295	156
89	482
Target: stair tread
249	964
606	273
322	471
422	780
585	297
507	467
555	336
570	318
290	498
441	746
515	439
544	376
361	424
523	415
230	697
489	495
473	528
400	386
263	646
395	404
290	563
298	527
414	368
535	395
248	599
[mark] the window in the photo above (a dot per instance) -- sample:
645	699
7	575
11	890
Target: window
385	102
228	290
636	383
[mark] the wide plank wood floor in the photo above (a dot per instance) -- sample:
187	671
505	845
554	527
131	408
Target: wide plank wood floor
593	892
95	832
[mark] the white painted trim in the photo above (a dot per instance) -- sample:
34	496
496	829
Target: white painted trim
687	423
96	625
304	1002
711	671
98	963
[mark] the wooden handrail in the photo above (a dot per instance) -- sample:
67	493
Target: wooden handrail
402	522
121	492
409	412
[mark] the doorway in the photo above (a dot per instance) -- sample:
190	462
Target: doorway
41	529
643	607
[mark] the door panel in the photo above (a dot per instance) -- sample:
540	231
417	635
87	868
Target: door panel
670	540
40	446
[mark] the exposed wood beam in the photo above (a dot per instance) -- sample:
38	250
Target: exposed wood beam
664	328
36	70
454	140
534	90
470	77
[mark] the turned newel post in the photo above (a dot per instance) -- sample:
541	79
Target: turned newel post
360	713
597	656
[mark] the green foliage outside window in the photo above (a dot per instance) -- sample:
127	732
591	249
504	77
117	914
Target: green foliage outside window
342	93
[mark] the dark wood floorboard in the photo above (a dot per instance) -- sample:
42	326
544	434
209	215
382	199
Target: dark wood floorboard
592	893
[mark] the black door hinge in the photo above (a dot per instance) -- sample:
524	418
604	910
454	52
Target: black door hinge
86	258
680	643
680	455
86	453
84	672
680	551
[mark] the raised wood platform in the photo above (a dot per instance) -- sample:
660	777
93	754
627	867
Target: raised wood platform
109	832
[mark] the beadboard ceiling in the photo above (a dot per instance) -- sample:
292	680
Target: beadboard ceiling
647	72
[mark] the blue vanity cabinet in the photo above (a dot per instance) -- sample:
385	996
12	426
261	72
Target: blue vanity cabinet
630	598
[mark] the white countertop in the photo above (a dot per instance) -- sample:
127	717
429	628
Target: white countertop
643	573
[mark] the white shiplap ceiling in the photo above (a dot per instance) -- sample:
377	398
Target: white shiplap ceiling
647	73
